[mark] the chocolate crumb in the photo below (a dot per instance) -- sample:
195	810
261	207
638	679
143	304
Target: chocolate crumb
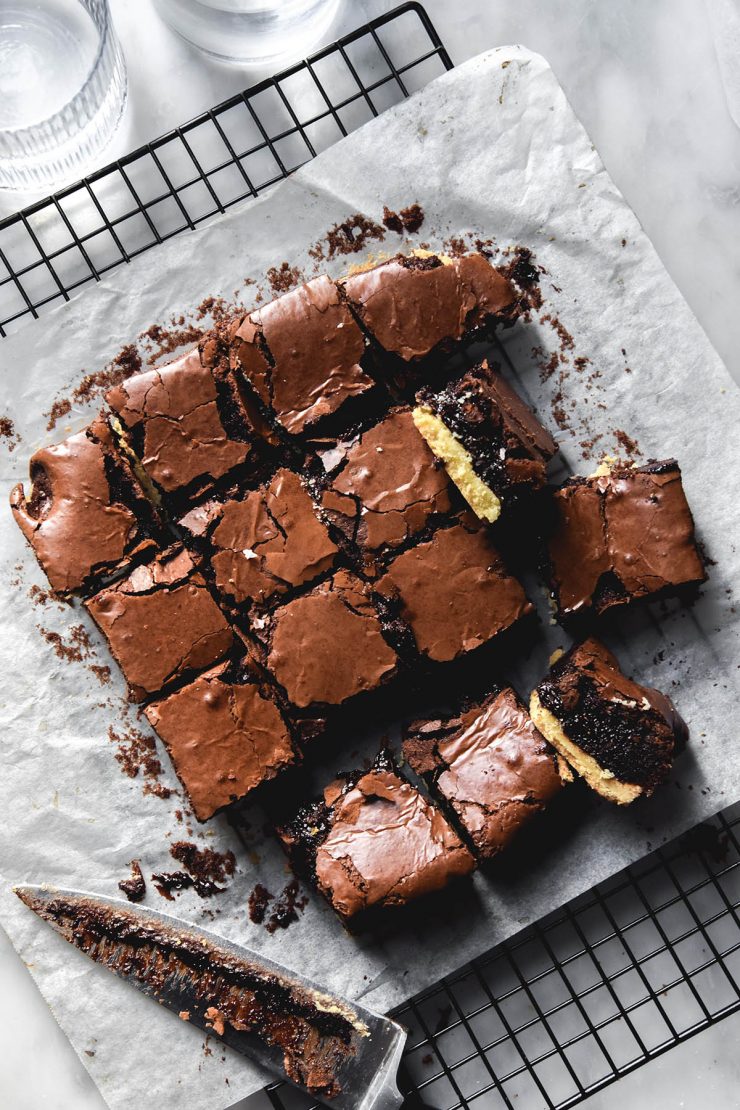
525	274
408	219
136	753
42	597
258	901
135	887
206	866
57	411
350	236
167	881
283	278
101	672
7	431
286	908
627	443
78	648
392	220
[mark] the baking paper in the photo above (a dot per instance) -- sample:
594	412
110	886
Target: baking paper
491	149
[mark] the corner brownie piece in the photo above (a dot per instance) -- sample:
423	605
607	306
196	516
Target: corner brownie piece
415	305
86	515
225	735
490	765
492	444
384	487
185	424
301	354
374	841
621	737
161	623
261	543
453	592
327	645
622	534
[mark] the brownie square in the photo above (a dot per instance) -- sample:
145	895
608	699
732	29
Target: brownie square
161	623
185	424
384	487
620	736
453	592
261	543
328	645
86	515
301	354
492	444
489	765
374	841
419	305
623	534
225	736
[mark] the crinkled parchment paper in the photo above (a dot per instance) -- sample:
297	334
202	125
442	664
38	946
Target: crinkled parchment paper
491	148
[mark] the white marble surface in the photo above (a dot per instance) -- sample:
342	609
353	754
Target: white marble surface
657	85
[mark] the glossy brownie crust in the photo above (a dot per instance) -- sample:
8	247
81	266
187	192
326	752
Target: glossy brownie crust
374	842
631	732
622	535
490	765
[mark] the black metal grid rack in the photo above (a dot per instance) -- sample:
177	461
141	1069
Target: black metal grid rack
614	978
234	151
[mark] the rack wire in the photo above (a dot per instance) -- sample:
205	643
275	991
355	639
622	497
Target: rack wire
612	979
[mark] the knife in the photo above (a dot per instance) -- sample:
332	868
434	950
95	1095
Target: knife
337	1051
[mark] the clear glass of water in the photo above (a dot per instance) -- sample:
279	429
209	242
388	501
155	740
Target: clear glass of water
62	89
251	31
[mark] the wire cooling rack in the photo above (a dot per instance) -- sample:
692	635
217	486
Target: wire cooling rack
612	979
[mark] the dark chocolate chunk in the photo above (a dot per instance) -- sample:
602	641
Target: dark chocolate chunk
620	736
623	534
161	623
374	841
490	765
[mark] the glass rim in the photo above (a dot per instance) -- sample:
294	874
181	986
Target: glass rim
104	32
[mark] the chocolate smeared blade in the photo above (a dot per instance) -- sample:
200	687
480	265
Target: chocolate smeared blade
338	1051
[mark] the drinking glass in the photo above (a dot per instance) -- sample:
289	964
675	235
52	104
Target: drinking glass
62	89
250	31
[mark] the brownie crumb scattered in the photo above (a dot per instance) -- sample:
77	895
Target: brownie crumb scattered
348	237
135	887
286	908
8	432
206	866
258	903
57	412
627	443
101	672
283	278
408	219
525	274
166	882
42	597
75	650
136	753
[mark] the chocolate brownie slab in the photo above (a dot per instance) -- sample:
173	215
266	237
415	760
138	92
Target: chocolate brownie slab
225	735
86	515
623	534
620	736
374	841
490	765
161	623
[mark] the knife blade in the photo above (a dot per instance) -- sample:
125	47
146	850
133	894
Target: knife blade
337	1051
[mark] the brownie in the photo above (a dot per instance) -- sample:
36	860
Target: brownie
418	305
301	354
225	735
374	841
492	444
384	487
186	425
489	765
327	645
161	623
453	592
624	533
620	736
86	515
261	543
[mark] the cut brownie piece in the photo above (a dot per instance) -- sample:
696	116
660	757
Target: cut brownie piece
385	486
453	592
86	515
490	765
225	735
624	533
374	841
328	645
261	543
417	305
621	737
301	354
492	444
161	623
185	424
